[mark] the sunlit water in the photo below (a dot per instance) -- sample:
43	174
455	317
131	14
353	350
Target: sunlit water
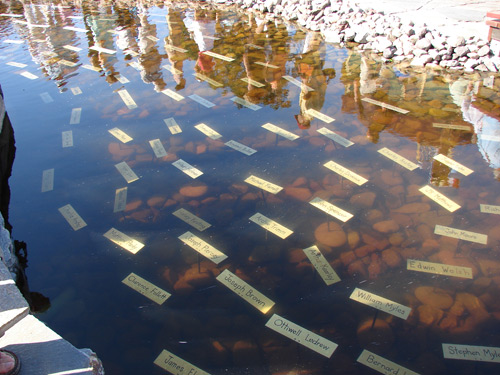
203	322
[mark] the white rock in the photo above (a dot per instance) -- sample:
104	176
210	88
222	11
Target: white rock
332	36
349	35
424	44
483	51
421	60
456	41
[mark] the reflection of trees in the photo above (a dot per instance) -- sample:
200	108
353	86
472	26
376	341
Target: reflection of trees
266	42
45	36
309	65
426	97
179	37
100	35
149	59
126	31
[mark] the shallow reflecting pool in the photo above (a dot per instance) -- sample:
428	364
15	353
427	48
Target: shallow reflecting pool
227	194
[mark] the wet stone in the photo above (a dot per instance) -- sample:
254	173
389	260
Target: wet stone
330	234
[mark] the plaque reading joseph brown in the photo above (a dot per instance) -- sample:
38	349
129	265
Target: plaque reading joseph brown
245	291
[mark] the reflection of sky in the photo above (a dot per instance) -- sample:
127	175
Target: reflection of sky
486	128
488	139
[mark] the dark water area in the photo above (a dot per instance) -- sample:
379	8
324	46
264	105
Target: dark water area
424	236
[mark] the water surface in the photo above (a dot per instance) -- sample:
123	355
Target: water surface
156	53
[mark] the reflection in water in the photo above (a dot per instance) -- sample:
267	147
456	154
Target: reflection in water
275	91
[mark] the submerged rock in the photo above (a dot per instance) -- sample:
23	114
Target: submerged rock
330	234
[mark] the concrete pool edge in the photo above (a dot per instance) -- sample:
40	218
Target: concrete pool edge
40	350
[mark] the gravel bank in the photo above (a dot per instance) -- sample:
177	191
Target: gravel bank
395	40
